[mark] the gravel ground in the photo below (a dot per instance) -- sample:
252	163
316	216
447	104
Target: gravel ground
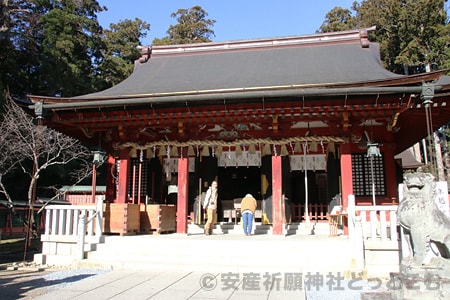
27	281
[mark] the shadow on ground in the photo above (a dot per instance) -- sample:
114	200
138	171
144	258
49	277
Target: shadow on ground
28	284
14	249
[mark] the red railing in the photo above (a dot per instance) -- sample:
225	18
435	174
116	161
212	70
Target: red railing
316	212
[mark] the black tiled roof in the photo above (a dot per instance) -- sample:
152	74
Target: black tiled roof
322	63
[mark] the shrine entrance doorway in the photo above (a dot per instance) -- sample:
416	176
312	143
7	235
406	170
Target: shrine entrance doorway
236	182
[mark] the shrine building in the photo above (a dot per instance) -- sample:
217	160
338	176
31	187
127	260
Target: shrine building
296	121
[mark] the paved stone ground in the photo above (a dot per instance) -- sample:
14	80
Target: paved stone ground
25	280
22	281
29	281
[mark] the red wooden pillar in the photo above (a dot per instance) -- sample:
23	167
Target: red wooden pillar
390	172
277	196
183	192
346	176
346	173
110	184
122	190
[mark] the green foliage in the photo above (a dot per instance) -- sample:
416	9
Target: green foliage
414	35
53	47
121	50
385	15
46	44
192	27
71	45
338	19
423	33
18	46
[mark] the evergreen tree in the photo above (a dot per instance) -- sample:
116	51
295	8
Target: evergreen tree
424	35
18	46
413	34
338	19
71	46
192	27
121	50
46	44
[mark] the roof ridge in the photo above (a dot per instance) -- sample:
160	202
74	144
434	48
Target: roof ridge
329	37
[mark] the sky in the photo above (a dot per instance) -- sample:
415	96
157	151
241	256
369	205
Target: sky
235	19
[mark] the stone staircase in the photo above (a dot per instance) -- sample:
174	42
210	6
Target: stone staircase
321	228
227	250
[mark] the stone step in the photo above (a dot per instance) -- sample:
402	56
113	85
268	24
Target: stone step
224	253
321	228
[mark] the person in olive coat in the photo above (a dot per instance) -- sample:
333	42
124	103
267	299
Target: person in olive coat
210	204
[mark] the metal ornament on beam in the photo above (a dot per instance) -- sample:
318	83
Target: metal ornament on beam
427	93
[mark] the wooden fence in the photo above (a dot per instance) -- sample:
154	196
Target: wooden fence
316	211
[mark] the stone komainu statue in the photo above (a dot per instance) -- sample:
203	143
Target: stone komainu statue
423	223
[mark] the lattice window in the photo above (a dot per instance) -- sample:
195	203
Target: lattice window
362	177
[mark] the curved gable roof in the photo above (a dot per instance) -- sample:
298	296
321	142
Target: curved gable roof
306	61
327	62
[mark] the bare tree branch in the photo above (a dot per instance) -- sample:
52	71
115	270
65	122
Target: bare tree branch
22	142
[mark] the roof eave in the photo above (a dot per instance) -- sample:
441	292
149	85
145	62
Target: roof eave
128	100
